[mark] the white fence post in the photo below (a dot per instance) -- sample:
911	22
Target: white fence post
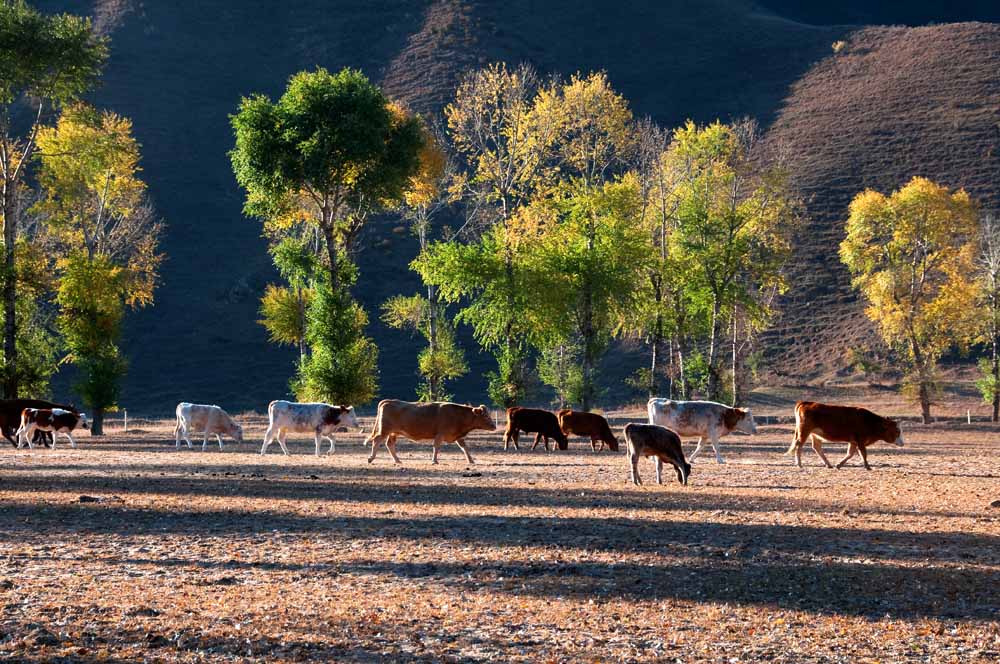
125	410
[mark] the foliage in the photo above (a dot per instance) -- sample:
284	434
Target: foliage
987	383
45	61
560	368
912	257
342	367
442	360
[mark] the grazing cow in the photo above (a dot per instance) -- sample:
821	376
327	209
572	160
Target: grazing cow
437	421
542	423
591	425
193	417
651	440
55	420
858	427
705	419
10	417
320	419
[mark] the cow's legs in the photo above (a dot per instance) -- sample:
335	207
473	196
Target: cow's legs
864	456
852	449
177	435
436	444
697	450
658	462
633	460
375	440
26	434
282	435
510	437
268	437
333	446
593	443
680	475
317	441
72	443
204	441
817	445
713	435
219	438
461	445
390	444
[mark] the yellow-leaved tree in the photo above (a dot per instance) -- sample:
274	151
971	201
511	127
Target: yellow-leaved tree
912	256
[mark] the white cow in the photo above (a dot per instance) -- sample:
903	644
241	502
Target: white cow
320	419
192	417
704	419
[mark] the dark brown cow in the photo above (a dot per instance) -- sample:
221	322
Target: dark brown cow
440	422
859	427
55	420
542	423
591	425
10	417
651	440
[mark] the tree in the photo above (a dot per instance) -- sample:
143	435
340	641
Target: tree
45	61
734	216
506	145
328	154
988	269
284	310
429	193
96	209
585	270
912	256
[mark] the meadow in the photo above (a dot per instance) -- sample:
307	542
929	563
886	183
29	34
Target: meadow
125	549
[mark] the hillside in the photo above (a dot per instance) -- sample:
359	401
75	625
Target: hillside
892	104
179	69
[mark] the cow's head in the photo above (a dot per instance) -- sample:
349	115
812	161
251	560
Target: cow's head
482	419
83	424
740	419
685	471
893	434
347	417
237	433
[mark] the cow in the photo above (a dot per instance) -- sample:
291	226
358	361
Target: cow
542	423
651	440
705	419
858	427
192	417
591	425
320	419
10	417
55	420
437	421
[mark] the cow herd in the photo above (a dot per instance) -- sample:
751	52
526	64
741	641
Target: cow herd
442	422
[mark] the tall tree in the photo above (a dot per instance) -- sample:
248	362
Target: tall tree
506	147
96	208
328	154
734	216
45	61
988	267
912	256
429	193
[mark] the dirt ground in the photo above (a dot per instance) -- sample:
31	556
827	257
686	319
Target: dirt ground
125	549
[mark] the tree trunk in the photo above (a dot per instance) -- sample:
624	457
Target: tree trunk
713	353
10	387
736	394
302	325
97	424
331	250
996	373
685	388
657	339
924	380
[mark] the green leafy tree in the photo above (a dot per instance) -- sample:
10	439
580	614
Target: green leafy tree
733	218
329	153
912	256
284	309
586	266
429	193
442	360
988	269
45	61
96	210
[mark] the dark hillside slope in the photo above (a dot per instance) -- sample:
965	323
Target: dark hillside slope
895	103
179	69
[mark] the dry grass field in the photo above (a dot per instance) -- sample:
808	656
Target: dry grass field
127	550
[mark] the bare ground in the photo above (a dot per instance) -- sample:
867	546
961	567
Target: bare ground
227	556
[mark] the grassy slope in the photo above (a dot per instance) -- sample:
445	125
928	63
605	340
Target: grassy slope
178	71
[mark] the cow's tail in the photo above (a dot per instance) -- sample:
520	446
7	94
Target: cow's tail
798	427
377	425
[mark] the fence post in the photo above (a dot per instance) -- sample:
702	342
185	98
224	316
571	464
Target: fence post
125	410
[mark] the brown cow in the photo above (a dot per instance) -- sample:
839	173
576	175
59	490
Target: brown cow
651	440
588	424
10	417
542	423
55	420
438	421
859	427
